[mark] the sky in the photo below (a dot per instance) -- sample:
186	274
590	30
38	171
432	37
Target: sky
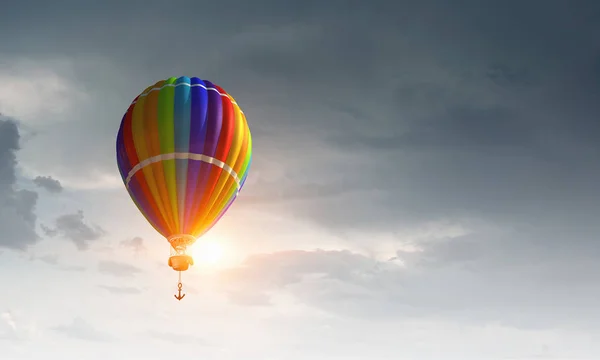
424	183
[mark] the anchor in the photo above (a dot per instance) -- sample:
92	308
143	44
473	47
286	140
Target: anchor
179	296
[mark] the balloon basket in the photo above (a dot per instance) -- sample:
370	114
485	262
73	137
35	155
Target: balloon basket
181	262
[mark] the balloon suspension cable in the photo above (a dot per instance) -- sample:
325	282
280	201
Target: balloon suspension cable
179	296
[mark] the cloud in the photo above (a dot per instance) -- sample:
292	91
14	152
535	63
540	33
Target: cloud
136	244
17	217
177	338
14	328
8	319
461	279
260	276
54	260
121	290
73	227
463	137
73	268
50	96
81	329
117	269
48	183
49	259
38	92
287	191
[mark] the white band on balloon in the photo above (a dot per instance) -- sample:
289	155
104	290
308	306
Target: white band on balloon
184	156
189	85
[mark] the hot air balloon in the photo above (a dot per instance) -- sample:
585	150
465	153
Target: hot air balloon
184	149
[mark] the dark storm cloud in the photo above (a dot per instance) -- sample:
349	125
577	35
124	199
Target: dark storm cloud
483	114
48	183
74	227
17	217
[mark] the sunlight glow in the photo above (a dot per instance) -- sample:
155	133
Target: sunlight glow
207	252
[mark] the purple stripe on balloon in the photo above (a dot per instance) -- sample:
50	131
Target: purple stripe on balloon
122	160
214	120
123	163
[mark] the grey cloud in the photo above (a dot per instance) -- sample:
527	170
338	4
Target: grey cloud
487	136
136	244
273	47
503	75
81	329
17	217
73	268
49	259
50	184
285	191
74	227
48	231
250	283
54	260
117	269
466	129
121	290
459	279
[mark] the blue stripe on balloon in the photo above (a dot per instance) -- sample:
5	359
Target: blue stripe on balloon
182	118
198	111
214	120
245	175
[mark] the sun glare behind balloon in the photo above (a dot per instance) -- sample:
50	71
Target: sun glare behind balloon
207	251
